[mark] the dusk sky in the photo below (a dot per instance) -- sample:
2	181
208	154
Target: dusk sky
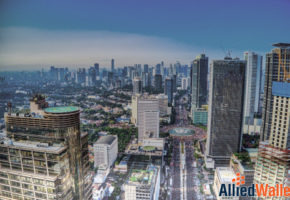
36	33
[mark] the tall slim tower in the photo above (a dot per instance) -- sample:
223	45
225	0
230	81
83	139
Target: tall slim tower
137	86
226	92
168	89
158	82
277	69
253	88
44	156
112	65
97	69
199	82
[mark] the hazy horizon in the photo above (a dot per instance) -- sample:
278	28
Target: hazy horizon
38	34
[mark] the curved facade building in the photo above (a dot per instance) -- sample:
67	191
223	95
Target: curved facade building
44	156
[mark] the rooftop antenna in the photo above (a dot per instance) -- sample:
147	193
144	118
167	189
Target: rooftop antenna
9	105
228	54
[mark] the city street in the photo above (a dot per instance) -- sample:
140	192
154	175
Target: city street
185	184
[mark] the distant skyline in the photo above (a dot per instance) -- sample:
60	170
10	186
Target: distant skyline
73	34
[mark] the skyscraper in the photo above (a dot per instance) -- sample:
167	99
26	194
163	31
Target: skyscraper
168	89
112	65
158	82
45	156
137	86
92	76
158	69
81	76
273	164
276	70
253	80
146	68
145	79
199	81
97	69
226	95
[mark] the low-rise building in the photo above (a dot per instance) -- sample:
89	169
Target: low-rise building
122	167
199	116
223	175
244	167
143	184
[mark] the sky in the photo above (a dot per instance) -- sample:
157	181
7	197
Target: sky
71	33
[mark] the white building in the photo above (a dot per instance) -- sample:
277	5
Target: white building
223	175
184	83
145	115
105	150
143	184
148	126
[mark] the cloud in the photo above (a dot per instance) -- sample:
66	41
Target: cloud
31	48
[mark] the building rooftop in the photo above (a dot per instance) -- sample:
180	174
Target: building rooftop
142	177
225	174
36	146
281	89
281	44
107	139
62	109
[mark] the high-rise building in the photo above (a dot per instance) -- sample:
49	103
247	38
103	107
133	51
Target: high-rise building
276	70
143	184
146	68
137	86
158	69
253	80
112	65
81	76
105	150
58	74
174	78
225	110
97	69
199	81
92	76
164	109
273	164
145	79
168	89
158	82
110	78
145	115
44	156
184	83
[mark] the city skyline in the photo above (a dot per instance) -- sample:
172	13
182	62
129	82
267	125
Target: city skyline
38	34
144	100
